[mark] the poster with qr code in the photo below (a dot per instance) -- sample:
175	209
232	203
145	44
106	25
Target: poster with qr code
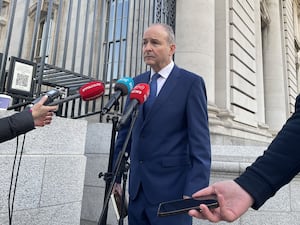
21	74
22	77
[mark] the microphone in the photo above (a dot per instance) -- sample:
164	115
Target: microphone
87	92
138	95
122	87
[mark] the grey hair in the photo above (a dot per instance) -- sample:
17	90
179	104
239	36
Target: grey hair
169	30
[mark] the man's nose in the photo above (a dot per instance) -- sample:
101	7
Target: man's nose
147	47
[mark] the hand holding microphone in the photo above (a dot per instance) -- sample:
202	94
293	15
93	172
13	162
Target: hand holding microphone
138	96
41	113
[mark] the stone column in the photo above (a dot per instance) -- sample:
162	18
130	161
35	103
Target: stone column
274	68
222	62
259	64
195	38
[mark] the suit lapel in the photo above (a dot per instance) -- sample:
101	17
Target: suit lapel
167	89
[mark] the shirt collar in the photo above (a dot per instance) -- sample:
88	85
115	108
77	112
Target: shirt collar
165	72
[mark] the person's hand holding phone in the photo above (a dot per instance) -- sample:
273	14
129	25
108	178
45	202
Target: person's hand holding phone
186	204
233	202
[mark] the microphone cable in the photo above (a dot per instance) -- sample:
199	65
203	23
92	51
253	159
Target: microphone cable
13	188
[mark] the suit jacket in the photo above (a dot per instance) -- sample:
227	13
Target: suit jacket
278	165
15	125
170	153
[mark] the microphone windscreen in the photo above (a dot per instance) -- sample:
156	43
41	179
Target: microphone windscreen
91	90
140	92
124	85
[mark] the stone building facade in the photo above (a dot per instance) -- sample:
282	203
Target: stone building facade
246	50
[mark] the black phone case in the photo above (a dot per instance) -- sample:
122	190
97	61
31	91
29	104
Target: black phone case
184	205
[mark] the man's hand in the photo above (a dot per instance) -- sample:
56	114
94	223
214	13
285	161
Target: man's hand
42	115
233	200
117	189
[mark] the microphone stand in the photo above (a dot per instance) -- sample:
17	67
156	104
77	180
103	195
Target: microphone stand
107	176
121	162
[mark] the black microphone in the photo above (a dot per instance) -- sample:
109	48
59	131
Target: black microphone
138	95
122	87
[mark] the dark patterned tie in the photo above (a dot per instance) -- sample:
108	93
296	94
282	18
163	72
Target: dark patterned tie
153	90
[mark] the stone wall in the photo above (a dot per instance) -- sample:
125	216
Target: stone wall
50	184
97	153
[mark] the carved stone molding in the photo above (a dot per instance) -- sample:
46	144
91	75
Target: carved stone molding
264	12
3	19
44	8
5	3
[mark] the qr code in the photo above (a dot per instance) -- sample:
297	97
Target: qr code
22	80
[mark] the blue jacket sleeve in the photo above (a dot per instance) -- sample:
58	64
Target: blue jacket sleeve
199	138
277	166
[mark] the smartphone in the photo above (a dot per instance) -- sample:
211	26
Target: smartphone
184	205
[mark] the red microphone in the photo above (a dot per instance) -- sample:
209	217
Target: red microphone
91	90
87	92
138	95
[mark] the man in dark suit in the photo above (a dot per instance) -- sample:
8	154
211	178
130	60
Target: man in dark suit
20	123
279	164
170	154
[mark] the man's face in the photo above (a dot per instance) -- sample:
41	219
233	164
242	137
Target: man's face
156	48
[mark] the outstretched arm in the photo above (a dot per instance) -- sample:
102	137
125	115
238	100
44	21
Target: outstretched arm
21	123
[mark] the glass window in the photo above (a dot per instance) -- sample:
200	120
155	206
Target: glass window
42	40
117	32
